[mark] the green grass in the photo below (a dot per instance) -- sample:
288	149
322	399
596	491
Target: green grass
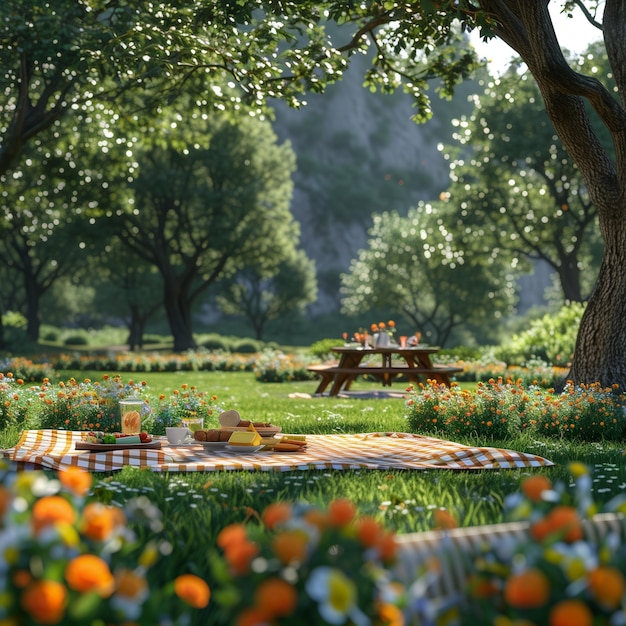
404	500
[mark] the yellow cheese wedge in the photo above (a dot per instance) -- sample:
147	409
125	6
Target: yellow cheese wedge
245	438
293	438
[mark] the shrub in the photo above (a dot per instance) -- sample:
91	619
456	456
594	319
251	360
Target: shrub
248	346
51	335
272	366
216	344
76	340
322	348
550	338
501	409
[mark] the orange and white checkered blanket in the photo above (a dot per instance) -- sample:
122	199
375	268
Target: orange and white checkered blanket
55	449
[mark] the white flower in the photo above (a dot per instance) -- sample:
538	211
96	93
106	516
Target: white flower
336	596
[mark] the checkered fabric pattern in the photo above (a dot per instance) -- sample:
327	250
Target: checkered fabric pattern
55	449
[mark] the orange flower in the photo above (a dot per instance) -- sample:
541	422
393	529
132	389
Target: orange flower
369	531
275	597
22	578
276	514
230	535
5	500
239	556
444	520
290	546
570	613
193	590
607	585
387	547
482	587
390	615
527	590
316	517
130	585
45	601
76	480
88	572
563	521
534	486
251	617
51	510
98	521
341	512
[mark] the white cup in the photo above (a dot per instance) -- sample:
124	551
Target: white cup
176	434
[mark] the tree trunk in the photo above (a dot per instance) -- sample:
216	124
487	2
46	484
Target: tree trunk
33	293
178	310
599	355
136	328
569	277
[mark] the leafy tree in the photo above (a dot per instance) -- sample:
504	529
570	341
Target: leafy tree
264	296
414	264
412	43
42	212
210	196
518	186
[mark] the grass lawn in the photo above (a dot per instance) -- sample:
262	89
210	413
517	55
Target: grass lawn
403	500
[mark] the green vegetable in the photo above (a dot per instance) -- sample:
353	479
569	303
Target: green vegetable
109	439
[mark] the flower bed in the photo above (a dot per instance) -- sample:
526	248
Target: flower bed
500	409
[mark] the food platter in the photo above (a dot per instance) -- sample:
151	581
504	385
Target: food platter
111	447
212	444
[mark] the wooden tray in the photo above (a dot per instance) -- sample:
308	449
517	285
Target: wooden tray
111	447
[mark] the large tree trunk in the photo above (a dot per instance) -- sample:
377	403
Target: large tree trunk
178	310
33	294
600	354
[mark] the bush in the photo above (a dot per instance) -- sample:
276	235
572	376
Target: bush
503	409
273	366
248	346
216	344
322	348
76	340
550	338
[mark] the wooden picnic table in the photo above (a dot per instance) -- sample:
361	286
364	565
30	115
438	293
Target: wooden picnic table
413	362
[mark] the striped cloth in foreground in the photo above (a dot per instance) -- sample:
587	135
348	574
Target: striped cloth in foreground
55	449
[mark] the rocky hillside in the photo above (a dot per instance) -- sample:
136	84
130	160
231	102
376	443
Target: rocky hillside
360	153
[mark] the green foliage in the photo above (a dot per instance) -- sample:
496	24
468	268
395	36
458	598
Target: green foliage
551	338
217	343
273	366
421	266
322	348
248	346
210	195
186	402
518	190
501	409
587	413
76	340
266	291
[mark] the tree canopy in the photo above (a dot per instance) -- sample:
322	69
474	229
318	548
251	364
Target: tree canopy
416	263
285	49
207	196
514	185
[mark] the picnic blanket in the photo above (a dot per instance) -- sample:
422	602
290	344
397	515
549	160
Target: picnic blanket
55	449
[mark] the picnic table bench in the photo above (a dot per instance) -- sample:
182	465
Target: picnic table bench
416	366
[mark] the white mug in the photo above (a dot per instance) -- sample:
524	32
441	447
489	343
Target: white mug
177	434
